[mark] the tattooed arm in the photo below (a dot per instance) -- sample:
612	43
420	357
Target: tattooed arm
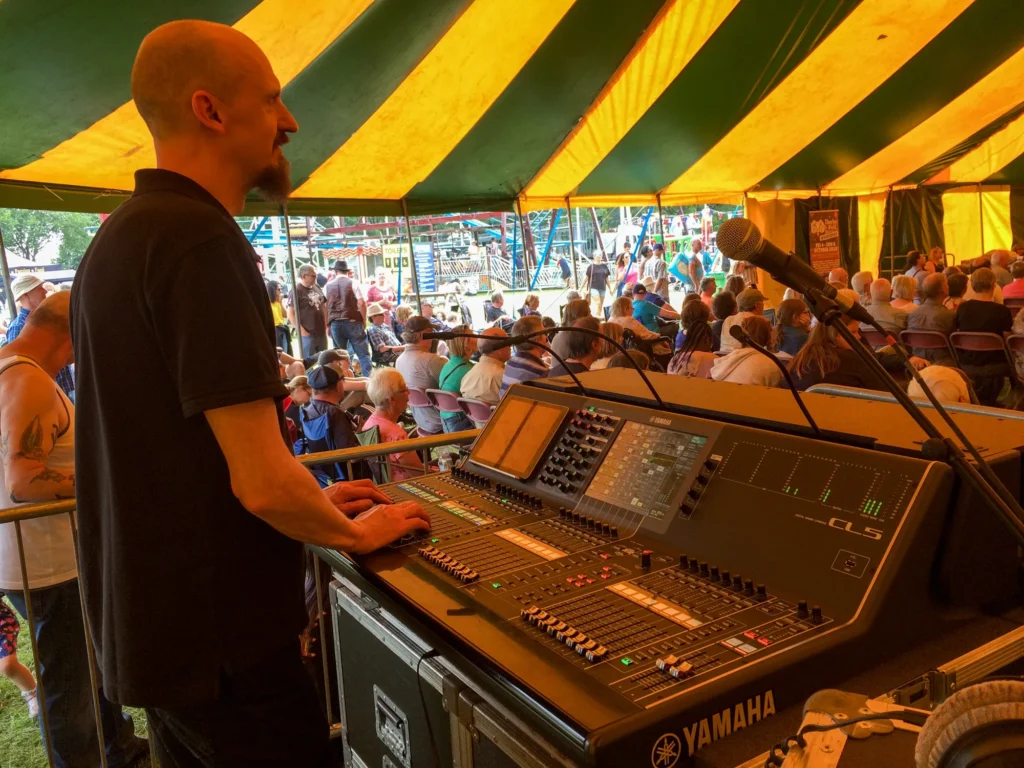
31	417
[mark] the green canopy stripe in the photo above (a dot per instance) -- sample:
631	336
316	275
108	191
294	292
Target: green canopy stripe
72	68
939	73
749	54
528	122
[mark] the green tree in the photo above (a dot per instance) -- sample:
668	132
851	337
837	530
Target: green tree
26	232
75	237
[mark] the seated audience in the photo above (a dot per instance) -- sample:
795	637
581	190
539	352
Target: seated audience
427	311
648	312
584	348
937	257
621	360
948	384
861	283
791	293
745	365
609	350
792	325
735	285
384	345
572	295
390	397
904	290
708	286
421	368
932	315
982	262
953	270
694	357
402	314
353	386
293	369
839	275
1001	260
299	394
826	358
981	314
527	362
882	308
916	269
723	306
750	304
956	284
1015	289
622	315
493	307
450	379
531	305
574	310
328	387
483	382
547	322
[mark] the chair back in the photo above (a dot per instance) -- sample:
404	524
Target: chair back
927	340
1015	346
977	341
443	401
418	398
873	338
380	466
477	410
1013	304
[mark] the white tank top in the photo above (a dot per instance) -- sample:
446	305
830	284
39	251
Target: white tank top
49	547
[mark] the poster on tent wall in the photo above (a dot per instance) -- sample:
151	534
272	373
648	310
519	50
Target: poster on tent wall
823	240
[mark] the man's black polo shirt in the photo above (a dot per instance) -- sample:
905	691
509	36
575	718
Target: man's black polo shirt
170	318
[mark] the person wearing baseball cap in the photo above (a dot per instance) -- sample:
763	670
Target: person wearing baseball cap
354	386
384	345
29	292
750	302
421	369
325	424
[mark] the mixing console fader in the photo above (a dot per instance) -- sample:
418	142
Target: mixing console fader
633	569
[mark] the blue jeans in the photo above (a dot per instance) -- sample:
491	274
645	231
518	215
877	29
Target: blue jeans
64	672
313	345
456	423
350	335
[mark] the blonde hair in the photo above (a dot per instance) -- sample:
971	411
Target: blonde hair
383	385
458	347
532	300
622	307
904	287
297	383
615	331
403	312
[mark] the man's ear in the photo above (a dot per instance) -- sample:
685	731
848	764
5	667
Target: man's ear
207	109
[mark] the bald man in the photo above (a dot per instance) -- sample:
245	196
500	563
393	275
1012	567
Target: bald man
192	508
483	382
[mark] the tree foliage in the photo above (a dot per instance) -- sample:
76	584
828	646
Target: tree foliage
27	232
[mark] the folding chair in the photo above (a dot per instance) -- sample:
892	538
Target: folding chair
1015	346
477	410
873	338
1014	305
418	399
380	466
443	401
975	341
927	340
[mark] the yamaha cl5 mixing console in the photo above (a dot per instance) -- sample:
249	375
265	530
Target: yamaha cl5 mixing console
652	582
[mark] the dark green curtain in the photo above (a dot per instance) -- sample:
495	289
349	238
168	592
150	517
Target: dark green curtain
849	233
913	222
1017	214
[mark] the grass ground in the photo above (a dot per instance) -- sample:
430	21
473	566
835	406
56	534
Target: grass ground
21	746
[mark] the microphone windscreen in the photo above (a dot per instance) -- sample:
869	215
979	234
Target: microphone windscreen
738	239
737	333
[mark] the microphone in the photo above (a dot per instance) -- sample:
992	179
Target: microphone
740	239
744	338
496	342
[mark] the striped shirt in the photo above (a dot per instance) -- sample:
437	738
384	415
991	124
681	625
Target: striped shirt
521	368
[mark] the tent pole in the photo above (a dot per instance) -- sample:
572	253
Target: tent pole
636	249
527	241
597	228
515	244
412	257
547	249
295	278
572	245
981	219
8	291
892	237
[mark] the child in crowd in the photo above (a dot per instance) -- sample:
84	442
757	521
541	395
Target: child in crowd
10	666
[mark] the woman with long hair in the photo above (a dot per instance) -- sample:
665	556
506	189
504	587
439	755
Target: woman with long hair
735	285
609	349
284	334
792	325
574	310
694	357
826	358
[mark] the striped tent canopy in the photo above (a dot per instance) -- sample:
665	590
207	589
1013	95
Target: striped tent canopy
477	104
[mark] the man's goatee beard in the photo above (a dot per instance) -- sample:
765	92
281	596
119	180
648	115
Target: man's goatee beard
274	182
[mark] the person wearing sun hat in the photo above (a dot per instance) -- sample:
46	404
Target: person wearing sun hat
384	345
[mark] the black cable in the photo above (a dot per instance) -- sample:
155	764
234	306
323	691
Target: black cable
998	498
776	760
516	340
744	338
423	702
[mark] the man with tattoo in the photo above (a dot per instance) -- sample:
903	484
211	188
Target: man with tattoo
37	439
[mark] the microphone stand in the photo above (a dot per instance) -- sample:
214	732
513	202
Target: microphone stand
981	477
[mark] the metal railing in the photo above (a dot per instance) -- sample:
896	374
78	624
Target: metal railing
18	515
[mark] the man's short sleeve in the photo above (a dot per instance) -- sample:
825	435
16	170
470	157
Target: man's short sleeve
210	328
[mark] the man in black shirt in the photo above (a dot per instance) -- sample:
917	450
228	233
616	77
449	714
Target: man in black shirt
981	314
311	305
190	520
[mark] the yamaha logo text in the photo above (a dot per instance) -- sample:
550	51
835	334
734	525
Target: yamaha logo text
669	747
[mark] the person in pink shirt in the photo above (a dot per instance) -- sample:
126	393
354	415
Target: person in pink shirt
390	395
1015	290
381	291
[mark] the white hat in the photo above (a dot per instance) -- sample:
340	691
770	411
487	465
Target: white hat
22	284
648	283
375	309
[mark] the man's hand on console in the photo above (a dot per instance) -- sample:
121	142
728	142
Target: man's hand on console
386	523
355	497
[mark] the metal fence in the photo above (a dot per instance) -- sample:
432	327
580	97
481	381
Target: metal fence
18	515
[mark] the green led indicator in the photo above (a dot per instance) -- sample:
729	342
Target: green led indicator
434	541
796	491
496	584
591	409
626	661
826	494
787	489
504	501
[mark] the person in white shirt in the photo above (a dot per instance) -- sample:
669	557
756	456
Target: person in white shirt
750	303
746	365
483	382
37	443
